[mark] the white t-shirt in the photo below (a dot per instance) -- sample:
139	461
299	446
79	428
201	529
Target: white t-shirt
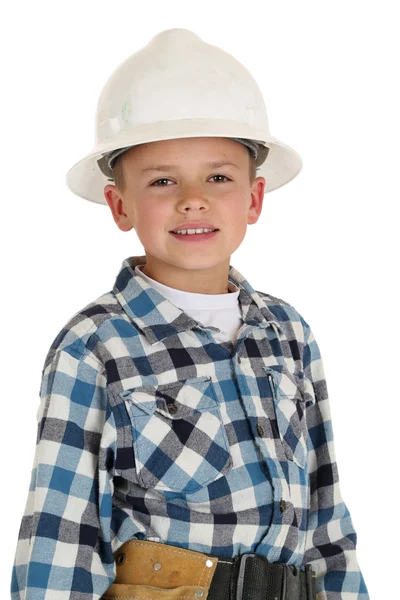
216	310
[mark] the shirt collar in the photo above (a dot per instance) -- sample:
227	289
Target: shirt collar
158	318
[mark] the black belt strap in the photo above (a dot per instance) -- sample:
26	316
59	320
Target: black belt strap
251	577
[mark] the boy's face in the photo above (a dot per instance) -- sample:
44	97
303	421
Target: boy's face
156	202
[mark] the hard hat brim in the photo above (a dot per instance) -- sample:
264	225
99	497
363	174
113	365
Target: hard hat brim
86	180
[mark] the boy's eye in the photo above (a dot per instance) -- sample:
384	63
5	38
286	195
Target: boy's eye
165	179
220	176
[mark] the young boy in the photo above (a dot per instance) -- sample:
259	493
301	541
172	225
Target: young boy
184	445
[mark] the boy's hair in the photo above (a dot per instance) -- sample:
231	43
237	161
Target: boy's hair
119	179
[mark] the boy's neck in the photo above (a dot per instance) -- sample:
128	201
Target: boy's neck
195	281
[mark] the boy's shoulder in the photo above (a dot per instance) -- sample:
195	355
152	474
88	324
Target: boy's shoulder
283	311
79	336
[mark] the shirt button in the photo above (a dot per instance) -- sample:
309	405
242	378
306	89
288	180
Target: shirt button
282	505
172	408
260	430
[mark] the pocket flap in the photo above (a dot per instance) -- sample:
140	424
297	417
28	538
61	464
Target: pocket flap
292	385
174	400
287	384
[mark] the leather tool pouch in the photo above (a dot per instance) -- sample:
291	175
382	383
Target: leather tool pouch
153	571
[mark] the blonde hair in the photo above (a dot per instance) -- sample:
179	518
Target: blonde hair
119	179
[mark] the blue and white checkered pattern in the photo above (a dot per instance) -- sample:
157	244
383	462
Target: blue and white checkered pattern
150	428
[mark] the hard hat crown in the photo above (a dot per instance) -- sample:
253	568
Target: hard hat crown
179	86
175	77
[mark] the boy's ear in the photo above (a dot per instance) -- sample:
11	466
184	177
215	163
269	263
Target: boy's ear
256	200
115	202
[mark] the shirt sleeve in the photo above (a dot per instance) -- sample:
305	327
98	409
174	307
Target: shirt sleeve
331	538
64	542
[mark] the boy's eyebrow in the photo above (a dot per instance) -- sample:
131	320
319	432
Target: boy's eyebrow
214	165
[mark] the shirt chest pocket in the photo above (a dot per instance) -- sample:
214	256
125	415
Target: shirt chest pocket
179	439
291	394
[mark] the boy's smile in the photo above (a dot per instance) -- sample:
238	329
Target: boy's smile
171	183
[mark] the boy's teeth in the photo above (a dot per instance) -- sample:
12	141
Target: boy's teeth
192	231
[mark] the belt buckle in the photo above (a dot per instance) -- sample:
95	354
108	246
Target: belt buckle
242	568
291	583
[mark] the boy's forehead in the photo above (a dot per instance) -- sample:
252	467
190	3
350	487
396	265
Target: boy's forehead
209	148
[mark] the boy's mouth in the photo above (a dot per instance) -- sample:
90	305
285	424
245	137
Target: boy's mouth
193	225
194	237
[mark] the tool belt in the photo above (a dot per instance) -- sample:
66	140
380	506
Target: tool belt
156	571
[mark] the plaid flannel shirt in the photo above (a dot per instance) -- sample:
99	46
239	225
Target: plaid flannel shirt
149	428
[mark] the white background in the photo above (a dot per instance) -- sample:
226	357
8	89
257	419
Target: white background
325	242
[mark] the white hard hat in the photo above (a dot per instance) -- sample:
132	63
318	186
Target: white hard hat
179	86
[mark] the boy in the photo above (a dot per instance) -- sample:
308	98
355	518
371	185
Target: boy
184	445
